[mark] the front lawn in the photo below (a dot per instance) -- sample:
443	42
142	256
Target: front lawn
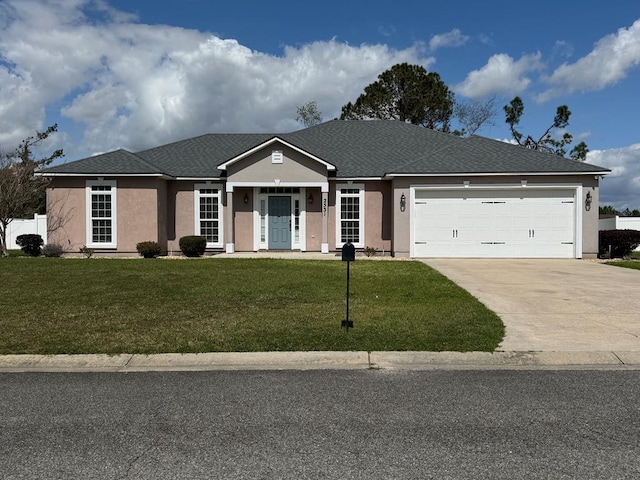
626	264
51	305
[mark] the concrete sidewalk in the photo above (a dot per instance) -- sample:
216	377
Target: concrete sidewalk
322	360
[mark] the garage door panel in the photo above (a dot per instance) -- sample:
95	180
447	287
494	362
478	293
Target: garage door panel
494	223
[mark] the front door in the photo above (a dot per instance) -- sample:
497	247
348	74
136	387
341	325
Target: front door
279	223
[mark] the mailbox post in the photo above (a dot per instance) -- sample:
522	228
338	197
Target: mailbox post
348	255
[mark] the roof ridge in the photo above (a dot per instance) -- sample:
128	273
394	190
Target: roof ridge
145	161
367	148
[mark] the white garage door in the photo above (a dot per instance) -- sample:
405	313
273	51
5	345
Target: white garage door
494	223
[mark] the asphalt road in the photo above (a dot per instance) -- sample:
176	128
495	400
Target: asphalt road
321	425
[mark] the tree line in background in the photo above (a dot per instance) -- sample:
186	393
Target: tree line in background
609	210
408	93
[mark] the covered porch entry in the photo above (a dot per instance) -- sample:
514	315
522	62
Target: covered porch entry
285	199
282	218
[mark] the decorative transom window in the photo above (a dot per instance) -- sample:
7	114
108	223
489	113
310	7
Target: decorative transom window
350	215
101	214
208	213
279	190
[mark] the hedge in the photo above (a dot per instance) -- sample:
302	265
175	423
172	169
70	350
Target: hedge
618	243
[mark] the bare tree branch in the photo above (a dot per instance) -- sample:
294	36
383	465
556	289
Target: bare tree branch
21	191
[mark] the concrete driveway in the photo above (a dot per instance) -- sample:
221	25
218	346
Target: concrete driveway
554	305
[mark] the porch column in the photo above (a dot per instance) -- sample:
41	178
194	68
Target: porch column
230	246
325	221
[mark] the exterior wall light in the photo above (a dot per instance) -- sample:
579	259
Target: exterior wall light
246	198
403	202
310	199
587	202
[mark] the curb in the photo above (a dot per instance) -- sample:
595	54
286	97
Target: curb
321	361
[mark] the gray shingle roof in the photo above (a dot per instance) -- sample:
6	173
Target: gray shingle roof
200	156
357	149
111	163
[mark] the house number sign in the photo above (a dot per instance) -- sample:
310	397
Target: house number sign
324	207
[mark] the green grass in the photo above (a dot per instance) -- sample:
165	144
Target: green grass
631	263
626	264
113	306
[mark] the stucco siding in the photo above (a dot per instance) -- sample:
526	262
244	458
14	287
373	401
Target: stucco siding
162	200
590	217
181	215
66	213
243	220
137	214
314	220
378	216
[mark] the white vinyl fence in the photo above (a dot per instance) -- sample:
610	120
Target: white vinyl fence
19	226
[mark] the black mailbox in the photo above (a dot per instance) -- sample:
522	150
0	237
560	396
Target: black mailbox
348	252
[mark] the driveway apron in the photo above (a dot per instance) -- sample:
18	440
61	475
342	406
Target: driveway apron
554	305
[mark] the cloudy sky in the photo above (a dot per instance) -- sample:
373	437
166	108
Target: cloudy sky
139	73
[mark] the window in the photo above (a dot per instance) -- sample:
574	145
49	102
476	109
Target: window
264	190
101	214
208	213
263	220
350	215
296	221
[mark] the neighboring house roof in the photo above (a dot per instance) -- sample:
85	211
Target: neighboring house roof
357	148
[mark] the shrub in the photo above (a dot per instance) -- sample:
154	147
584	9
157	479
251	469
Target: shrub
193	245
618	243
30	244
148	249
52	250
370	251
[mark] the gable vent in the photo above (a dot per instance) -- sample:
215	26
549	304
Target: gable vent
276	156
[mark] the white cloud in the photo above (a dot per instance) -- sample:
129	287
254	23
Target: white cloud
134	86
562	49
454	38
485	39
501	75
609	61
620	188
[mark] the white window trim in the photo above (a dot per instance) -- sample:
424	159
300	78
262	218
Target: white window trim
361	195
114	214
196	211
300	197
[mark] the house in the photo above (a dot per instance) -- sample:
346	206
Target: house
399	188
616	222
